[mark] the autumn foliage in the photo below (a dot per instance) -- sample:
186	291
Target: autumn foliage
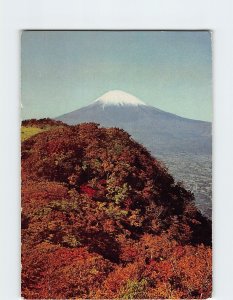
102	218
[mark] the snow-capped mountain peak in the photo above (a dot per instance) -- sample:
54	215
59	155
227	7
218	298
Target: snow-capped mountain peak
118	98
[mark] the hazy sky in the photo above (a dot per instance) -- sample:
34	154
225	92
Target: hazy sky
65	70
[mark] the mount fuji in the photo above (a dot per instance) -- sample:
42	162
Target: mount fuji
161	132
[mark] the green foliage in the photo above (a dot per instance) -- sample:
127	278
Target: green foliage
71	241
117	193
134	289
27	132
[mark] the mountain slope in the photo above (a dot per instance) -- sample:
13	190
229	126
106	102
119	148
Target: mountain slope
184	145
103	219
159	131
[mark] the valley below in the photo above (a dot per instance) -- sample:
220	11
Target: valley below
194	171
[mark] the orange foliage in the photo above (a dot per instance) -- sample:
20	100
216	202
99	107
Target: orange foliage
102	218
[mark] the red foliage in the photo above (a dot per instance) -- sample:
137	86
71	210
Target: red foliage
41	123
101	218
58	272
87	190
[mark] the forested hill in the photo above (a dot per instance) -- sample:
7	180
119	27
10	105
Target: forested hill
102	218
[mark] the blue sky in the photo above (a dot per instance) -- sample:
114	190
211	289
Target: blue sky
65	70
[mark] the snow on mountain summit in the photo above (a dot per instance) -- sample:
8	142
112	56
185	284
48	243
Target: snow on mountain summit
117	97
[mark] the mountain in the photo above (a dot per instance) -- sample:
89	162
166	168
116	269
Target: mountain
161	132
184	145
